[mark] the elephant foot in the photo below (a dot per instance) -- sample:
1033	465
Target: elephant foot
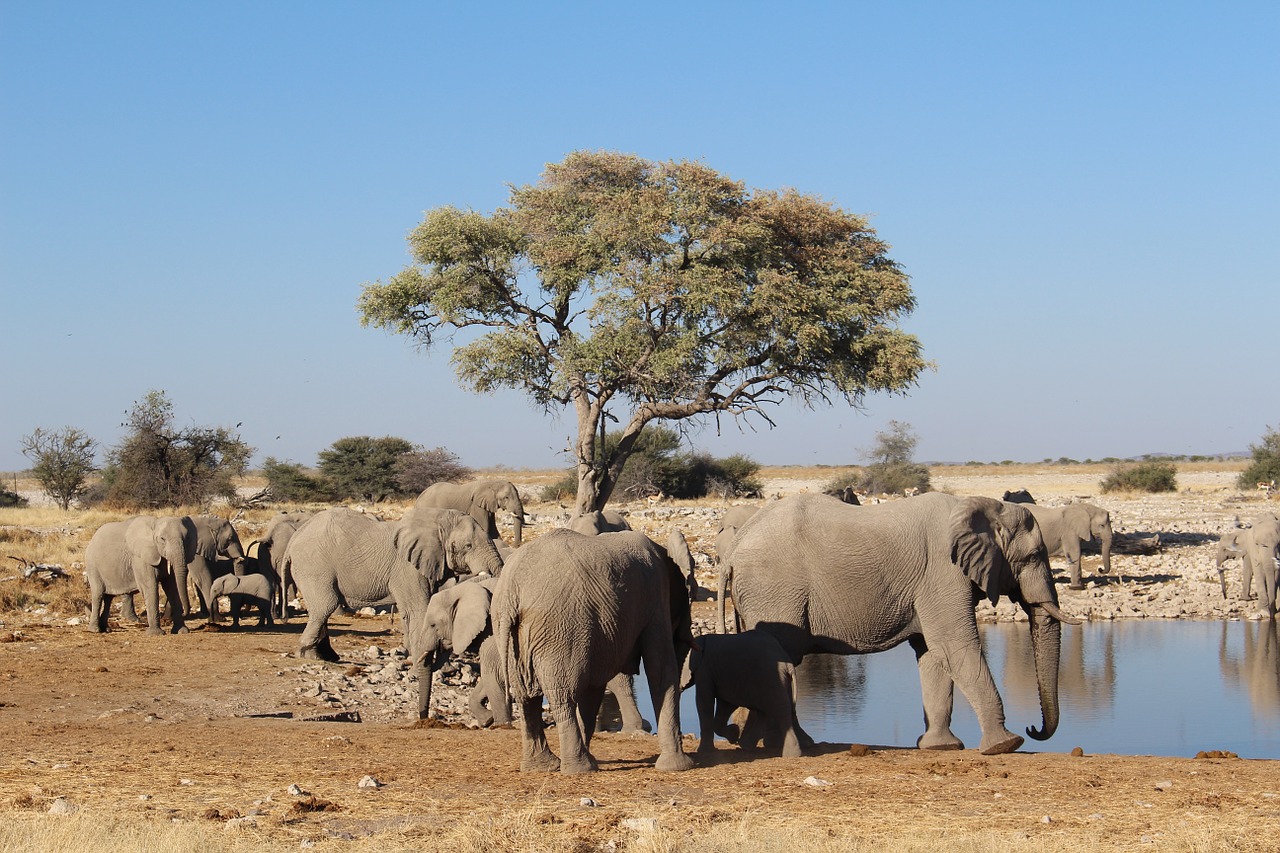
1076	586
309	653
155	632
1008	744
674	762
540	763
573	767
181	629
936	741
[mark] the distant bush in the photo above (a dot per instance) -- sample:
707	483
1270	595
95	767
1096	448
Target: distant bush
418	469
1265	467
11	499
290	482
1150	476
891	470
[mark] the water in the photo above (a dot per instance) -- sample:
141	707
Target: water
1139	687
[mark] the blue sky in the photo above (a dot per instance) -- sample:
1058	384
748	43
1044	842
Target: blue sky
1086	196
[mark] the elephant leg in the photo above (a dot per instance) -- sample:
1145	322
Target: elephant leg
425	676
623	688
663	673
314	642
150	586
1268	580
482	715
575	757
1072	549
176	609
99	605
970	673
535	754
588	710
128	610
1246	577
708	718
937	690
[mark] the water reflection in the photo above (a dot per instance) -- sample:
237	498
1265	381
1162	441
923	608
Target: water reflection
1132	687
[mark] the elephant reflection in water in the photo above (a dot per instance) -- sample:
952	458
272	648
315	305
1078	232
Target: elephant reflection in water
1256	670
1086	682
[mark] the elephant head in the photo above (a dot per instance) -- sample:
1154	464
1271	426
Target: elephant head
456	618
440	542
489	496
1088	522
678	550
224	585
998	547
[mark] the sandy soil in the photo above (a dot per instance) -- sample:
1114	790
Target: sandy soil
164	728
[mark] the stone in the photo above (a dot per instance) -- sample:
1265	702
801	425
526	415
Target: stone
62	805
815	782
369	782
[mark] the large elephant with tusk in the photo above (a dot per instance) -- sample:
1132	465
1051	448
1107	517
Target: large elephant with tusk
822	576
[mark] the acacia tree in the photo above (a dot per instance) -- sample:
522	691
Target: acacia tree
637	291
62	460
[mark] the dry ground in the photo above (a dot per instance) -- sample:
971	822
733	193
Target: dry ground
148	739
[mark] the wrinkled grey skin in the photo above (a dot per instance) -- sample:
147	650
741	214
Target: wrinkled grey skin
726	536
825	577
255	590
143	553
573	611
481	500
1261	545
599	521
749	670
678	550
1063	528
1230	545
214	537
271	550
457	620
342	556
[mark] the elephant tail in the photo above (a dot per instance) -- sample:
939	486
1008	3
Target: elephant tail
722	591
516	662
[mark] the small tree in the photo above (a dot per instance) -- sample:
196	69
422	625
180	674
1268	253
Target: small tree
62	461
364	467
1151	475
891	469
419	468
288	481
157	464
1265	467
636	291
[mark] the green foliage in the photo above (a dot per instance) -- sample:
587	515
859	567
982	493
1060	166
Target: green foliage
62	461
891	470
637	291
657	467
290	482
158	465
11	499
1149	476
1265	467
364	468
418	469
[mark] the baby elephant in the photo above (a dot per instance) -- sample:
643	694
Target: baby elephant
246	589
748	670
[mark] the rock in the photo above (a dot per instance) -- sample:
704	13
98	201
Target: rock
373	652
815	782
588	802
1046	819
369	782
296	791
859	750
1165	785
1077	752
62	805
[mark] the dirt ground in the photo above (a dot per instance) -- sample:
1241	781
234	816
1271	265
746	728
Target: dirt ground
194	728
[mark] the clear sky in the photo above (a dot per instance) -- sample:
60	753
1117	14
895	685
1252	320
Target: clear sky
1086	196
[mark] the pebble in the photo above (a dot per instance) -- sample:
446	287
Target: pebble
369	782
588	802
296	791
815	782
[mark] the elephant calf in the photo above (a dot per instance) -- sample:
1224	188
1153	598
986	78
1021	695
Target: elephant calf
254	590
748	670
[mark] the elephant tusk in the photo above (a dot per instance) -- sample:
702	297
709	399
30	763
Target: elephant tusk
1052	610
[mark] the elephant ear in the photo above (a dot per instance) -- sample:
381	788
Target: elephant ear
978	542
470	615
420	540
486	498
1078	520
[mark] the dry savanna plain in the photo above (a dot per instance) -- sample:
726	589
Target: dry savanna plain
225	740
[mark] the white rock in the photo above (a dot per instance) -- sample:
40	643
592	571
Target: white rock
588	802
369	782
61	805
815	782
1165	785
296	791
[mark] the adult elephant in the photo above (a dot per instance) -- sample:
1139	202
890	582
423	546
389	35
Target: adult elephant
726	538
211	537
1063	528
825	577
1261	546
343	556
573	611
144	553
481	499
271	550
599	521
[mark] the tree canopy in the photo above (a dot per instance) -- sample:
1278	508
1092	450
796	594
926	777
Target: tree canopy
637	291
62	461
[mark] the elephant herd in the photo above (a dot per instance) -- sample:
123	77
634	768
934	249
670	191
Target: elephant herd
568	618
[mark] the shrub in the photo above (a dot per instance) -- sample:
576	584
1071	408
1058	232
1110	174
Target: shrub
11	499
1149	476
62	461
417	469
290	482
891	470
363	467
1265	467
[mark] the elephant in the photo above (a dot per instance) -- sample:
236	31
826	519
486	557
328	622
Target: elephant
1063	528
340	556
214	536
271	550
599	521
1230	545
1018	496
253	589
143	553
571	612
457	619
847	494
1261	546
825	577
481	499
748	670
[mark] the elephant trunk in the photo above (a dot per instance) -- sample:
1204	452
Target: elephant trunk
1046	647
1106	551
519	531
485	559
